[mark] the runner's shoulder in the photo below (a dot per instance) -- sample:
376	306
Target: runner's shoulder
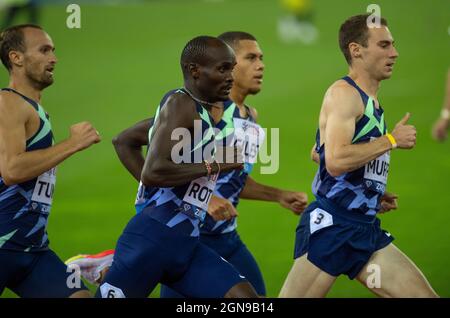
179	108
11	103
342	96
342	90
181	102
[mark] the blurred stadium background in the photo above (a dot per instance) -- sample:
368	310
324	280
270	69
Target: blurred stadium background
114	70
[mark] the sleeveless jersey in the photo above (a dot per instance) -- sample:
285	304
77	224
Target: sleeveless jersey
183	207
247	134
360	190
25	207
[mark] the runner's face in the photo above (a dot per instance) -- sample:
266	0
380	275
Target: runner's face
248	72
380	54
39	57
215	80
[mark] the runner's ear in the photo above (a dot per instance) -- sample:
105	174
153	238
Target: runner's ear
194	70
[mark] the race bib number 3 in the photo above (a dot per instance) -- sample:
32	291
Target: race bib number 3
319	219
44	187
200	191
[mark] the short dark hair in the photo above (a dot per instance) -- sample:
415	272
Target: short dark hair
355	29
195	51
232	38
12	39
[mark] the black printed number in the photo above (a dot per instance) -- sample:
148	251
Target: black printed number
111	294
319	219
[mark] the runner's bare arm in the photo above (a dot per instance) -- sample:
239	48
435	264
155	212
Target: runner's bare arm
128	145
442	124
257	191
159	168
343	107
295	201
18	165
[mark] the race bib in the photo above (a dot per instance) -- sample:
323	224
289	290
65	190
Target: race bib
376	173
200	191
249	136
319	219
44	187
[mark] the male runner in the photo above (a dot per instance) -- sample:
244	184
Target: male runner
28	160
219	231
339	233
160	244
